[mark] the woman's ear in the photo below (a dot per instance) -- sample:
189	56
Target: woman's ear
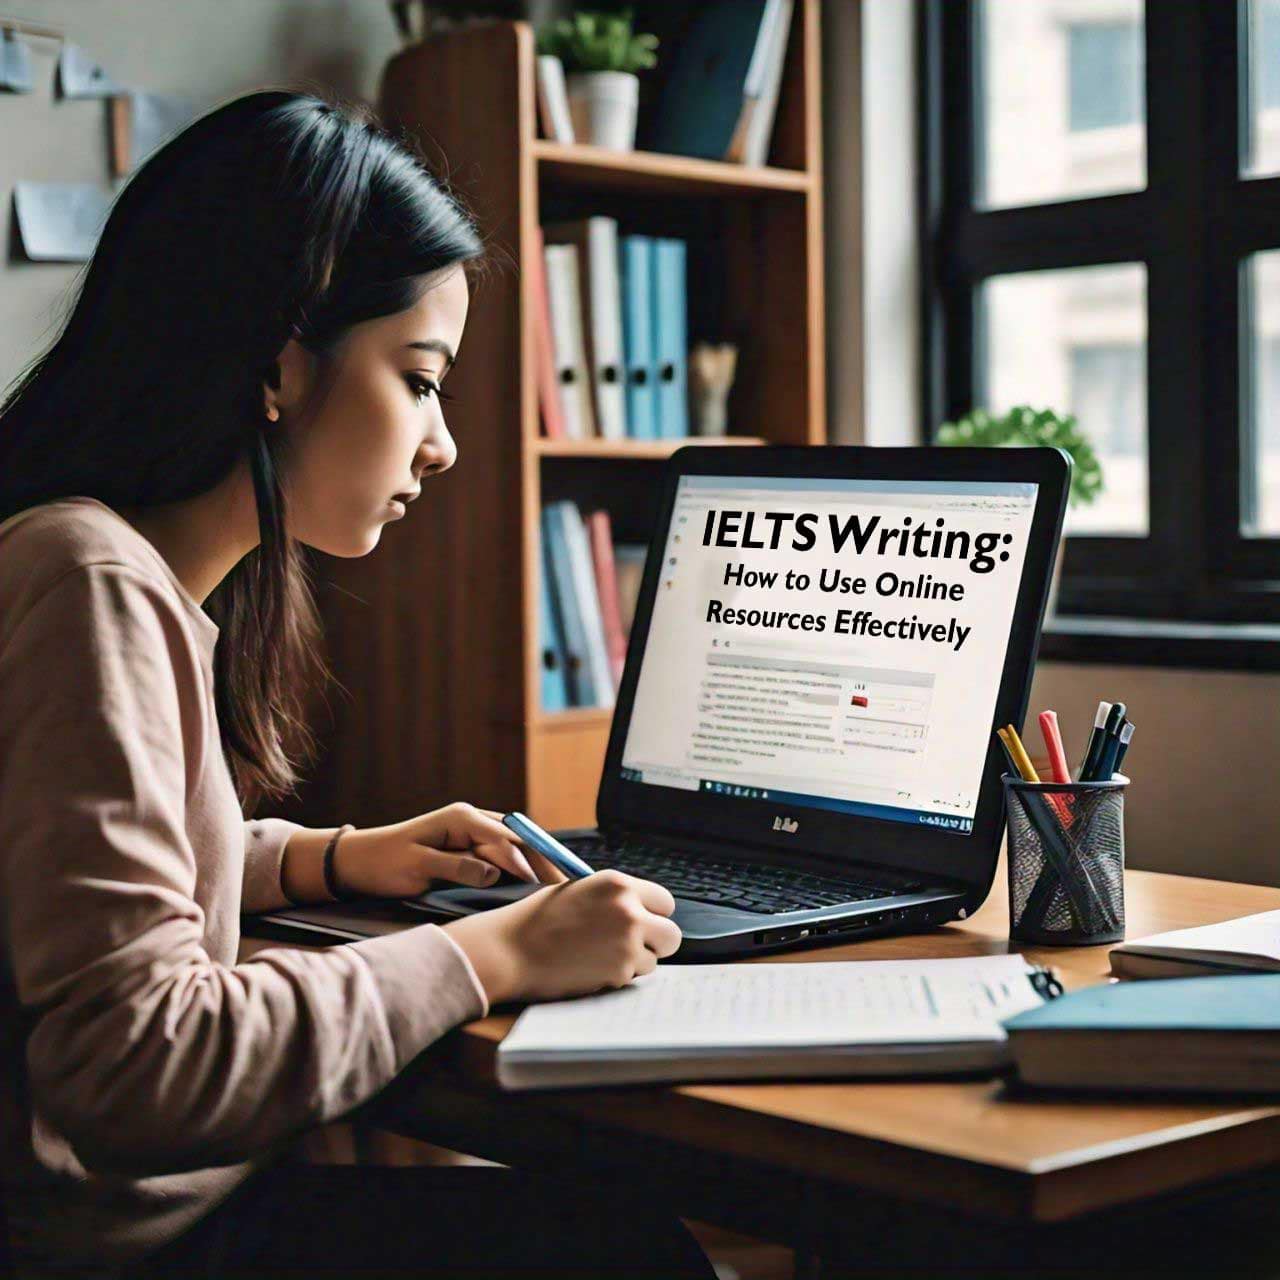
288	380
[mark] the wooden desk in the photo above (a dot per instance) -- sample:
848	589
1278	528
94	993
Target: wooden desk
809	1164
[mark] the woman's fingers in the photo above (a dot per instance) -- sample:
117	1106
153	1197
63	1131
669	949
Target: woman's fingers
458	868
548	872
662	937
464	827
655	897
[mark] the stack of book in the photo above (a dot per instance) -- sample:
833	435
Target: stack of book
588	600
611	333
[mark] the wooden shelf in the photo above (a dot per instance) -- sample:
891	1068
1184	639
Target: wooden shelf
575	718
630	448
576	164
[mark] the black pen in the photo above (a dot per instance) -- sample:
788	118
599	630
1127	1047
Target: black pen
1107	744
1095	742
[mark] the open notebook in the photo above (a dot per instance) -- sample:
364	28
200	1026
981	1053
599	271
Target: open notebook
747	1021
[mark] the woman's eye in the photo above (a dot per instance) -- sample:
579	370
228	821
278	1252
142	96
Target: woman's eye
421	387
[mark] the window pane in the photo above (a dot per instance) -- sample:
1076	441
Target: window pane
1062	99
1262	63
1076	342
1260	496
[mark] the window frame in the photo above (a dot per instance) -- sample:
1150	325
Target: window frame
1193	227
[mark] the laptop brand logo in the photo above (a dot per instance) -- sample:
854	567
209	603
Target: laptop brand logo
789	825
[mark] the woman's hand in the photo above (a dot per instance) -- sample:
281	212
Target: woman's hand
568	939
458	844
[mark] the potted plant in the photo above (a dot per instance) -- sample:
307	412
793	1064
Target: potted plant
1023	425
601	53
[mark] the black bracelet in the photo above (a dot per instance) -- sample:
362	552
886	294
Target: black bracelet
330	879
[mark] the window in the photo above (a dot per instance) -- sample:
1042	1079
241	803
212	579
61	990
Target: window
1105	74
1262	87
1101	235
1077	338
1060	99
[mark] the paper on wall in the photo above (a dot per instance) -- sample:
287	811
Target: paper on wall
15	63
79	76
60	221
156	117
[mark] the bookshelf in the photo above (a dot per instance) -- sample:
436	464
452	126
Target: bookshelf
433	636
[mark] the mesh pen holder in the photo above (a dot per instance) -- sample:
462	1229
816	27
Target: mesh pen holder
1066	860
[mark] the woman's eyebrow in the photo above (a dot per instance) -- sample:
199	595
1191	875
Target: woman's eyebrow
434	344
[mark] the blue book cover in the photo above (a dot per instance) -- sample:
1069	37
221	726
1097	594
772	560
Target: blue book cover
1239	1002
703	93
551	652
670	338
582	691
636	256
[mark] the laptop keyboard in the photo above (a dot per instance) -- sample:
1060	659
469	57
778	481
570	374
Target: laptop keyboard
766	890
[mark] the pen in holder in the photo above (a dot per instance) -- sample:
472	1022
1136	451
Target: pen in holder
1066	860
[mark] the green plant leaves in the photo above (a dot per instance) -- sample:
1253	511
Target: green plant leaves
598	42
1024	425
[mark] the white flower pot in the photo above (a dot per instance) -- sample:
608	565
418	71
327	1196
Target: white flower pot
603	105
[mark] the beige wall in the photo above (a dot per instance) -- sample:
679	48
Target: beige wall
1201	800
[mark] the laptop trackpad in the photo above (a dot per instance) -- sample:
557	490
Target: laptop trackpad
466	901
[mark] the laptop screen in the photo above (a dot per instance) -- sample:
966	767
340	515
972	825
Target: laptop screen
836	644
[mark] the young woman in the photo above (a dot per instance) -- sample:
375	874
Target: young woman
255	360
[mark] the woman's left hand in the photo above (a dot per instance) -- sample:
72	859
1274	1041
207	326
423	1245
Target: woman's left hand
459	844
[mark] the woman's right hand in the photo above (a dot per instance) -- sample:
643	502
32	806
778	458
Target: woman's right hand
571	938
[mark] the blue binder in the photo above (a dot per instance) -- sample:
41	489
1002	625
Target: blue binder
551	651
581	688
636	256
670	341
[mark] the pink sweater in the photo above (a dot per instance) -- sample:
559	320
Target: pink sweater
145	1072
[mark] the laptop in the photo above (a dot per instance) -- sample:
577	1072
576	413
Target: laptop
803	744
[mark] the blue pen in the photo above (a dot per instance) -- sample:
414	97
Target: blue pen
1105	763
545	843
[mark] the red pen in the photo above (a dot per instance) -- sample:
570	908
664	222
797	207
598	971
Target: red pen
1053	744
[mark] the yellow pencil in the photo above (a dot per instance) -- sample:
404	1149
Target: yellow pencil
1009	736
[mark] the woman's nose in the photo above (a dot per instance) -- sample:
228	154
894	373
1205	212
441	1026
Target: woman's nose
437	454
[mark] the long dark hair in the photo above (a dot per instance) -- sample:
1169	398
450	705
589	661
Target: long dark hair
277	214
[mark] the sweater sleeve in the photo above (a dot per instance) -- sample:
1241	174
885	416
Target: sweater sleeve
264	842
148	1055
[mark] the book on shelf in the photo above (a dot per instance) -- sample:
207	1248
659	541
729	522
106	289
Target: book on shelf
549	402
720	94
600	529
553	99
754	130
568	341
576	597
636	259
553	656
670	340
579	686
613	345
600	312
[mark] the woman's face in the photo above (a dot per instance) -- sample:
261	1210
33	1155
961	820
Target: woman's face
367	423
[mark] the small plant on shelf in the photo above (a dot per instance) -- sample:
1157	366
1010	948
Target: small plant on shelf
601	53
1023	425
